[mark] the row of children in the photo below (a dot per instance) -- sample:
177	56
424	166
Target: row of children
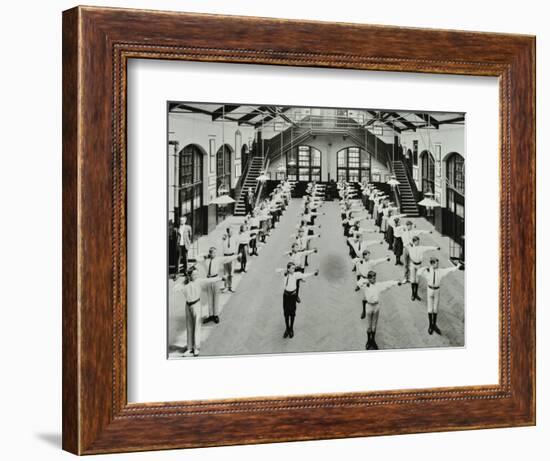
401	239
201	280
294	273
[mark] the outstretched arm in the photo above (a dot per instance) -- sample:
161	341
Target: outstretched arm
424	249
373	242
375	262
368	231
227	259
389	284
448	270
421	272
209	281
307	275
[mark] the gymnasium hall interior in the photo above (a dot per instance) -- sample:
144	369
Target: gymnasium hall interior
251	167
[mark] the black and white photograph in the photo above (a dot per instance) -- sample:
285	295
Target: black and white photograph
313	229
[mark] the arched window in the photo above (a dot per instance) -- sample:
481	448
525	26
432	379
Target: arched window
428	172
303	163
223	167
190	181
454	226
353	164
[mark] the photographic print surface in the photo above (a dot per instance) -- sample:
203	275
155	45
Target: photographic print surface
313	229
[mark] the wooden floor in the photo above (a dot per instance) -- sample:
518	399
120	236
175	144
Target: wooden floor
328	318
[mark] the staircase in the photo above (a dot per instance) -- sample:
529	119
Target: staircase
254	171
408	202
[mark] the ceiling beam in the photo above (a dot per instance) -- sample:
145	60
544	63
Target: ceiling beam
258	111
225	109
372	120
403	120
271	116
382	119
273	111
185	107
197	110
428	119
458	119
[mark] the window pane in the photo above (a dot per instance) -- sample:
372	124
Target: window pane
315	157
291	157
342	158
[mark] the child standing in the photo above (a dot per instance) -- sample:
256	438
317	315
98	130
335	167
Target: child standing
290	286
371	303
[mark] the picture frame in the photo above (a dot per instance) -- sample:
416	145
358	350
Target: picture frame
97	44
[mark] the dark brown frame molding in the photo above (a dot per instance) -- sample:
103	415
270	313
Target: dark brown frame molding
97	43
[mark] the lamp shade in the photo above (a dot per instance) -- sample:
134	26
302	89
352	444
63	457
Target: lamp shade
393	182
429	202
223	200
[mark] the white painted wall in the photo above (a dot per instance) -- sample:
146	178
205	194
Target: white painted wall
199	129
451	138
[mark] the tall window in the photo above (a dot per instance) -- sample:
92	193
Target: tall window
223	167
455	196
415	152
353	164
428	172
190	180
303	163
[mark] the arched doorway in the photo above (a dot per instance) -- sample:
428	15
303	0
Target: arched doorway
191	187
353	164
453	220
427	163
223	168
303	163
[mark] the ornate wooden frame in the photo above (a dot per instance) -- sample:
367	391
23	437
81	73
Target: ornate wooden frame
97	43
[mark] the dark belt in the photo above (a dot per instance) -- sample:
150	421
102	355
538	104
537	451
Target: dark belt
290	293
415	263
372	304
211	276
193	302
229	254
433	288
